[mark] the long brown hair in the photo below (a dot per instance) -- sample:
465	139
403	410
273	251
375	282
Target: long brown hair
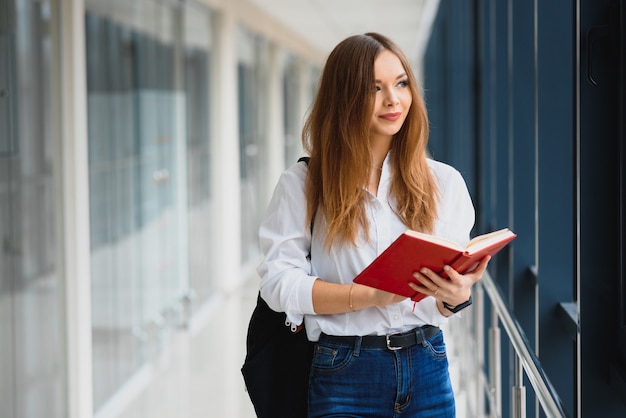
336	136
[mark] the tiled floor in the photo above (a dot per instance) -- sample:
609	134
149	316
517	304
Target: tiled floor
200	375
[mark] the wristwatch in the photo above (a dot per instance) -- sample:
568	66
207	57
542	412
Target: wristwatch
455	309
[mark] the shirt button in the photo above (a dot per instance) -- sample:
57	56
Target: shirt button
396	317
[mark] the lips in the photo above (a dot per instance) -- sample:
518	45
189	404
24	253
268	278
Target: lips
391	117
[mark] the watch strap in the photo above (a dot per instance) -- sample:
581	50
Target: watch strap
457	308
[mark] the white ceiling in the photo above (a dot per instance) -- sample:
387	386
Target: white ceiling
326	22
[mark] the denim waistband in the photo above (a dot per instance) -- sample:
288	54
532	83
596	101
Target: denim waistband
390	341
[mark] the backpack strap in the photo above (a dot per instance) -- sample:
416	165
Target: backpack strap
306	160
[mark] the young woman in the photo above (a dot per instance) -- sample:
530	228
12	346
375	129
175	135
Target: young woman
368	179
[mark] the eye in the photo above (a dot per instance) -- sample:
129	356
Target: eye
403	83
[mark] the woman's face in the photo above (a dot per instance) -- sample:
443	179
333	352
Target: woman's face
393	96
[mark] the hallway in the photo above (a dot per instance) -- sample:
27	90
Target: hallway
199	374
140	141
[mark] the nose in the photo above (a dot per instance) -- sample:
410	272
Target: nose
391	98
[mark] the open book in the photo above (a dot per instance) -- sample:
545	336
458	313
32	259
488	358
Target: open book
393	269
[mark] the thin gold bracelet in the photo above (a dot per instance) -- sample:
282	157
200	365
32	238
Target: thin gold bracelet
350	298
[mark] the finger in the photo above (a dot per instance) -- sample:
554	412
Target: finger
433	276
478	272
420	288
427	285
484	263
481	266
424	280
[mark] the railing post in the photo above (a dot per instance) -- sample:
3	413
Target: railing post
519	391
495	365
479	337
530	366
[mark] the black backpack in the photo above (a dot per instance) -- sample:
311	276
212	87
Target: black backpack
277	363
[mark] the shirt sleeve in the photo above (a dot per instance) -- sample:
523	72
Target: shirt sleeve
456	215
285	240
455	222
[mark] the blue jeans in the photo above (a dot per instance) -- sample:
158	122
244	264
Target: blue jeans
350	381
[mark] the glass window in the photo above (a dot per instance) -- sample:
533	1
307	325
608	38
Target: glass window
32	379
137	174
252	72
293	115
201	219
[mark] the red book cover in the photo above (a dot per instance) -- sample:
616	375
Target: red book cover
393	269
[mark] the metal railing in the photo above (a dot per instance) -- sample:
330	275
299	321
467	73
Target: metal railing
475	384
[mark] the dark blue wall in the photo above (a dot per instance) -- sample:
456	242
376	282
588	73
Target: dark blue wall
542	150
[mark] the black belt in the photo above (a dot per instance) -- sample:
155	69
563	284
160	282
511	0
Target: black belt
389	341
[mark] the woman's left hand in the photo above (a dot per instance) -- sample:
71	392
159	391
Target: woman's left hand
454	289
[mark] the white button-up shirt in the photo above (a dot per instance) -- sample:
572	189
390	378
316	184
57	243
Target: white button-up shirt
294	257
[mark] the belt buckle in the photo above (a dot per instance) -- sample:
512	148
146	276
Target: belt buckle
389	346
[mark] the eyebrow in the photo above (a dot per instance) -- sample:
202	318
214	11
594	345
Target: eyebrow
397	78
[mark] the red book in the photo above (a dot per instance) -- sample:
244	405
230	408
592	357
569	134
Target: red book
393	269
